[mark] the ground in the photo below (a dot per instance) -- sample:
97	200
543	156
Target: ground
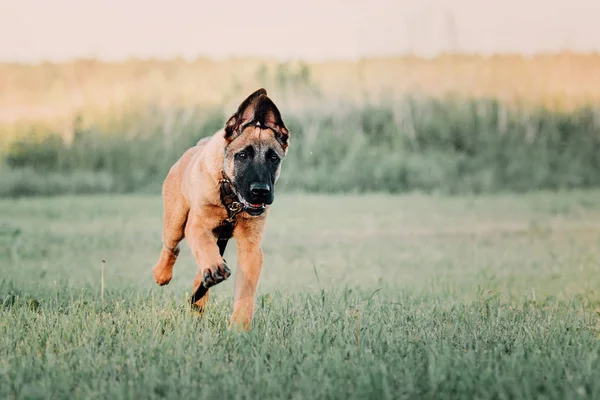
373	296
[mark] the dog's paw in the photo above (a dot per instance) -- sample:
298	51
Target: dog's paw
162	276
215	274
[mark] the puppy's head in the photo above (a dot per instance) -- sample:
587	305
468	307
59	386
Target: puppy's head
256	143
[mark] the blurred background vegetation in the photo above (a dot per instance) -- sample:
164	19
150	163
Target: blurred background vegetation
451	124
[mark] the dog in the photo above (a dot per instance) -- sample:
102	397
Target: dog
226	181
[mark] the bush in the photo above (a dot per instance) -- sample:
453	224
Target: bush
28	182
445	145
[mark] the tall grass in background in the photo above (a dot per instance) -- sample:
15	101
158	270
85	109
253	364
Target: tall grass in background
443	144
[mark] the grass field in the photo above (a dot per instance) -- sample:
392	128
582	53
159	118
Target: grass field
374	296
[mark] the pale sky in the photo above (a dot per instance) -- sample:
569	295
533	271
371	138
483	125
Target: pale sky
56	30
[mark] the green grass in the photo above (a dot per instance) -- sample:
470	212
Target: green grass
374	296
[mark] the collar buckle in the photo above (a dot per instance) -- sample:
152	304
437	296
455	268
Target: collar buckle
235	207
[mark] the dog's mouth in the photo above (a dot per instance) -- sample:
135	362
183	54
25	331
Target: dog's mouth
254	209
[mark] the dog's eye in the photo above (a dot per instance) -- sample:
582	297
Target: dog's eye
274	158
242	155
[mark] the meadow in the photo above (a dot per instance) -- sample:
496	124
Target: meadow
362	296
435	231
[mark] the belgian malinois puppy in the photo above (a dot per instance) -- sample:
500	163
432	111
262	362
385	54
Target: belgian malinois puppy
226	179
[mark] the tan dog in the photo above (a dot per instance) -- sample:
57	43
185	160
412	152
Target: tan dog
248	153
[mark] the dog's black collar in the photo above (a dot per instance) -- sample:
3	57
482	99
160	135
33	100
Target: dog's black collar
224	231
229	198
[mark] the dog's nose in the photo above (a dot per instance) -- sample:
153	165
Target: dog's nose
260	190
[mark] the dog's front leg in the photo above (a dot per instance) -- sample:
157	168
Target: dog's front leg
211	266
250	260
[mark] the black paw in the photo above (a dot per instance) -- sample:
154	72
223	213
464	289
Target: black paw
210	278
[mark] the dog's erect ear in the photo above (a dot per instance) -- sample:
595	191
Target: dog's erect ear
258	108
269	116
244	113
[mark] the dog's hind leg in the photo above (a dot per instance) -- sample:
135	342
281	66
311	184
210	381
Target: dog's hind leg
175	216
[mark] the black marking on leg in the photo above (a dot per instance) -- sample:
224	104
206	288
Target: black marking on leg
207	279
198	294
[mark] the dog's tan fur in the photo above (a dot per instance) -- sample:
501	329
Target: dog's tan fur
193	209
